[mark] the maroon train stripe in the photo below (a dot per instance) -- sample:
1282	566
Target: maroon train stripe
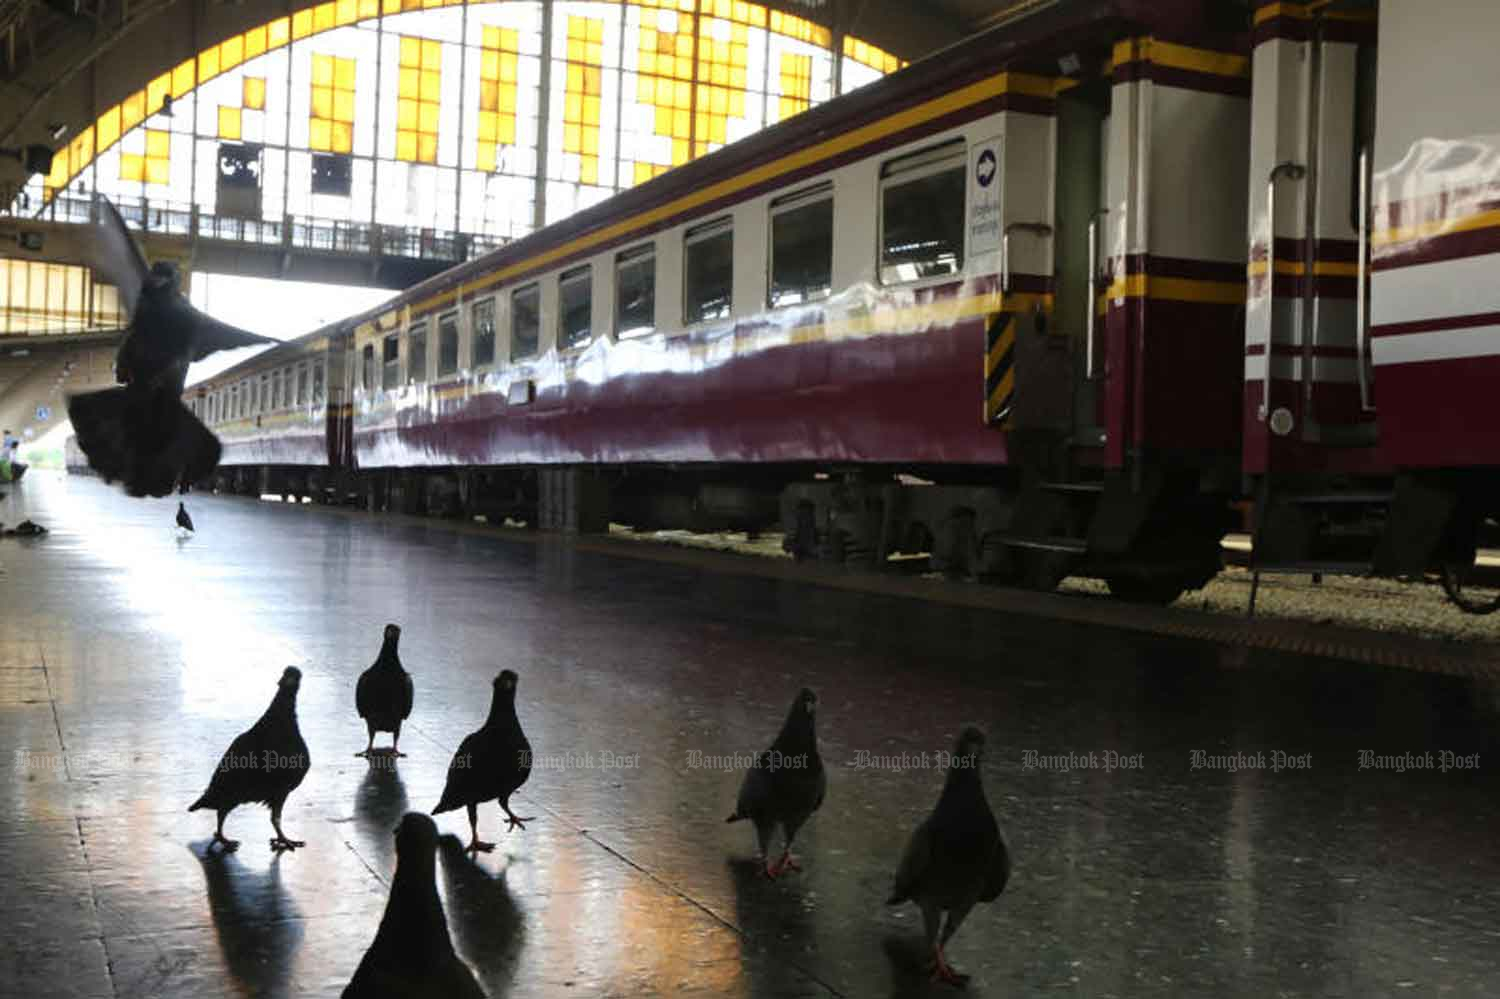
1296	350
1185	267
1438	323
1185	79
1433	249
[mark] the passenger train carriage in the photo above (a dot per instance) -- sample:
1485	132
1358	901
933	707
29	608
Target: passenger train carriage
1050	302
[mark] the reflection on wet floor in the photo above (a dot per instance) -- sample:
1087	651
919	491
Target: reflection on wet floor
1137	873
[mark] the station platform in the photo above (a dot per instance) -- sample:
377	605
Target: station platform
1186	817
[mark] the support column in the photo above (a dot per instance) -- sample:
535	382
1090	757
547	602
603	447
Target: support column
544	121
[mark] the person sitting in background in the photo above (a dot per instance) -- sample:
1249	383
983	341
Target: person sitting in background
10	467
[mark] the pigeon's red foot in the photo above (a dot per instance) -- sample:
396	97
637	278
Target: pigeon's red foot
943	972
786	863
229	845
479	846
280	843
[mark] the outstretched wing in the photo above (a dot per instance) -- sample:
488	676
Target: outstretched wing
116	257
210	335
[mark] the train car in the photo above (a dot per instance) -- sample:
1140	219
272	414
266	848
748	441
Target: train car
1050	302
282	417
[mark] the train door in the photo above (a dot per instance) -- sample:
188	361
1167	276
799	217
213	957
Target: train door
1082	154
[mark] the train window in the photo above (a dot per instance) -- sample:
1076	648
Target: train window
575	307
301	384
635	291
922	214
317	382
263	394
525	321
416	354
802	246
482	320
448	344
367	368
275	390
390	362
708	281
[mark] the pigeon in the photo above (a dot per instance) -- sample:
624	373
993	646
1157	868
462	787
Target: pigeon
384	694
26	529
142	434
956	857
490	763
786	783
412	955
184	521
264	764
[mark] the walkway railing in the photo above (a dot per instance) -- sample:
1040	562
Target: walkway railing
293	232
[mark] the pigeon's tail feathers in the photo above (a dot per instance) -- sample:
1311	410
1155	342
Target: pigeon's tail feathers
445	805
146	439
896	898
735	816
202	802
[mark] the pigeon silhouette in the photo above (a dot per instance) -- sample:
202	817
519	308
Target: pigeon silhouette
183	520
264	764
412	955
490	764
786	783
384	694
956	857
142	434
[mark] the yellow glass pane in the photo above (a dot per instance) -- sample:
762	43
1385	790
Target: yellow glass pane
406	114
343	105
409	84
491	37
575	79
591	111
411	51
158	143
737	78
319	134
157	90
575	50
576	27
109	127
486	127
700	125
301	24
699	148
183	79
719	129
322	102
593	80
253	94
663	121
132	167
573	107
591	141
432	84
157	171
489	65
343	137
718	100
683	46
682	123
427	117
390	6
679	152
642	172
508	63
505	131
406	146
510	39
82	150
508	99
229	122
232	52
255	42
485	160
719	74
323	17
682	94
322	70
426	148
278	33
368	9
343	73
132	110
208	64
741	36
345	12
489	92
648	62
572	139
432	54
588	170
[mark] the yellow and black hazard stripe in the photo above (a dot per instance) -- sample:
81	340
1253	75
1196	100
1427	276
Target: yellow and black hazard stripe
999	366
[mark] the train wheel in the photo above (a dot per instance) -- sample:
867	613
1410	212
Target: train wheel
1467	593
1159	591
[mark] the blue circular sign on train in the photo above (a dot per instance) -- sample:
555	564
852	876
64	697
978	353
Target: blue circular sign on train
43	414
984	169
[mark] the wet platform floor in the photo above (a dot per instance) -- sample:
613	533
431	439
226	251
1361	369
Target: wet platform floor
128	661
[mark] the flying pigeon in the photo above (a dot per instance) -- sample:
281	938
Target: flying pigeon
786	783
490	763
26	529
956	857
412	954
263	764
141	433
384	694
184	521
